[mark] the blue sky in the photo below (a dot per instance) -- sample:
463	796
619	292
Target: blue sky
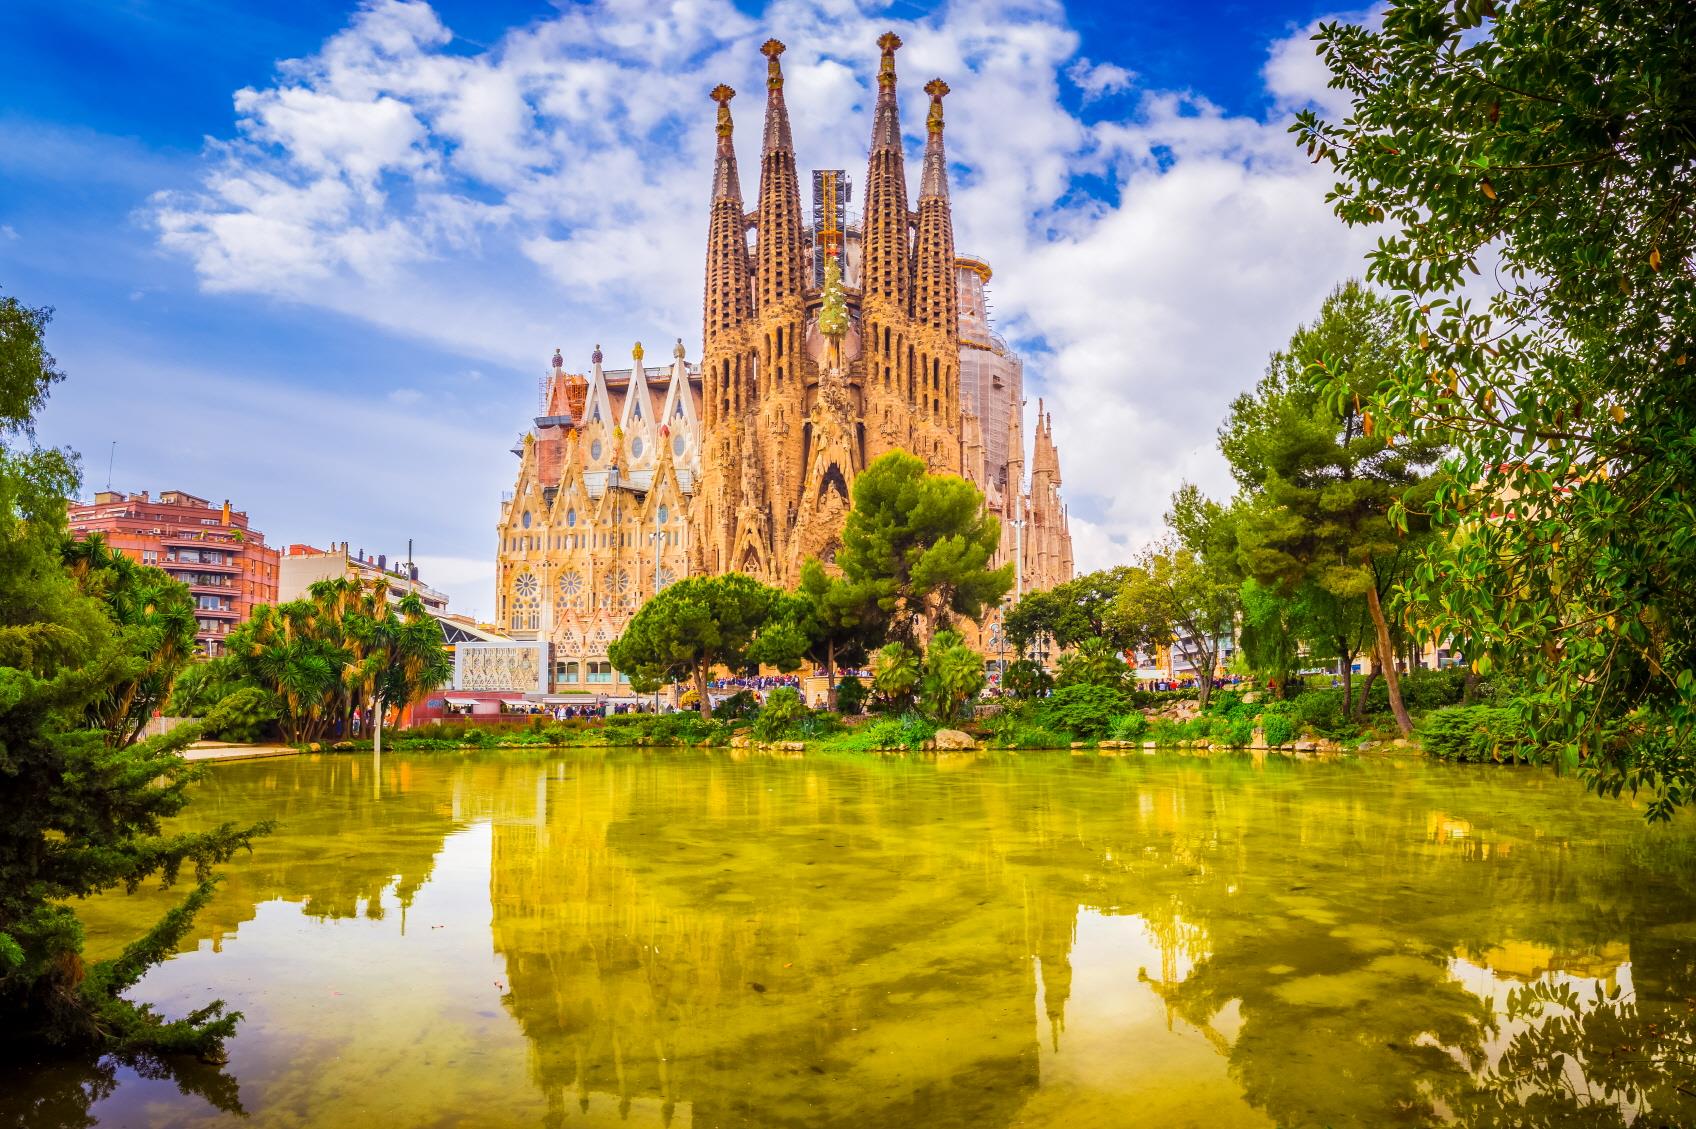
312	257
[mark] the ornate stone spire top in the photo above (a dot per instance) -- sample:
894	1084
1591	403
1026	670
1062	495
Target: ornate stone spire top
934	180
595	357
559	361
777	134
888	42
726	184
636	352
886	121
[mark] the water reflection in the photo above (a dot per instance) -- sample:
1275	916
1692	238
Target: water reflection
627	939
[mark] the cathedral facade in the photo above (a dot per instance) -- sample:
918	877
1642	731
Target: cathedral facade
828	340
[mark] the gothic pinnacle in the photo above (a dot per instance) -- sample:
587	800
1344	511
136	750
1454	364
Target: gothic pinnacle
934	180
777	134
886	124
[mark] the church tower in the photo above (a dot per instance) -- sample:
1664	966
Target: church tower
727	534
780	275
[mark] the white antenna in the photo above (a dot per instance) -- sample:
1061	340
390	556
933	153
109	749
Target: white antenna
113	454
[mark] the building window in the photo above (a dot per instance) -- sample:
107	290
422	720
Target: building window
571	516
526	519
150	556
665	513
636	445
595	447
600	672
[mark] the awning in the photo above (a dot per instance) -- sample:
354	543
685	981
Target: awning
460	703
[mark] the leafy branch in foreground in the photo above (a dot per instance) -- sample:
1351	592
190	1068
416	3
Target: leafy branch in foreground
1545	148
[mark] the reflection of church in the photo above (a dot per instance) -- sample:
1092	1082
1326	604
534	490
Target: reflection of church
720	964
830	341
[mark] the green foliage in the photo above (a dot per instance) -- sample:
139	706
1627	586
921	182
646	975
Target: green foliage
909	731
342	649
688	628
1084	709
920	544
1095	662
1015	730
1173	595
1277	729
155	619
1545	145
952	680
851	695
895	675
85	805
1475	733
1027	680
1131	726
1239	734
782	714
1320	478
841	619
1069	613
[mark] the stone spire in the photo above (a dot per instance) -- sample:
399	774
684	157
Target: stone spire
886	271
729	297
936	298
779	266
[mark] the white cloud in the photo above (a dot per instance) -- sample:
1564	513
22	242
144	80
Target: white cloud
551	189
1098	80
7	231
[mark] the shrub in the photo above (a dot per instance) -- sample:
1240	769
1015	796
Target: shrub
1084	709
909	731
1239	733
1026	680
851	695
1475	733
1131	726
953	677
1321	712
1277	728
782	712
1029	735
1433	689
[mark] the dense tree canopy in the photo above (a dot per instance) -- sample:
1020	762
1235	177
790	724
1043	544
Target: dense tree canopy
921	543
343	649
1319	477
690	627
1545	147
1069	613
82	803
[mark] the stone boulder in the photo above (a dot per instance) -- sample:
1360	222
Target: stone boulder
953	740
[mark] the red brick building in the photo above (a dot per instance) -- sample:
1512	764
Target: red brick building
227	565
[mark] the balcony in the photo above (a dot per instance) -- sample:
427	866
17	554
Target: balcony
221	613
200	588
174	567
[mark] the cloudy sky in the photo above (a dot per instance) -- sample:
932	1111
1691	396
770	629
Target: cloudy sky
314	257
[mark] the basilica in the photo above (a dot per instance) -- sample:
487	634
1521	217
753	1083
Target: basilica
829	339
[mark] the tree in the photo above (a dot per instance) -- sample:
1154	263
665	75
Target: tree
1319	479
895	674
155	616
690	627
953	677
1548	146
921	544
1069	613
842	620
1095	662
1172	598
342	649
82	808
1027	680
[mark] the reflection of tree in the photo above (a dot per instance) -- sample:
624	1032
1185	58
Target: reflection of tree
335	849
62	1094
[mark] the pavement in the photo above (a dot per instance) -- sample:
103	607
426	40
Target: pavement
225	751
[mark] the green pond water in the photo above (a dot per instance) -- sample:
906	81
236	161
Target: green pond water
674	938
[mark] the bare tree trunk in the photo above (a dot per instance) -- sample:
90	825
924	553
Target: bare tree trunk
1348	679
1387	659
705	704
1469	687
1366	690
